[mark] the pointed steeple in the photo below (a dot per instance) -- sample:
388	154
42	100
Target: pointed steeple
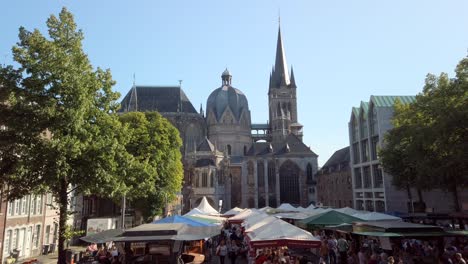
280	73
293	80
133	102
201	110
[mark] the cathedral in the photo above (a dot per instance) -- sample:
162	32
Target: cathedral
226	157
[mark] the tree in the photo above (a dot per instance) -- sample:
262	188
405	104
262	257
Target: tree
61	131
428	146
156	142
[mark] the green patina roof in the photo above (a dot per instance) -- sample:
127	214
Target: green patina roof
365	107
389	101
330	218
356	112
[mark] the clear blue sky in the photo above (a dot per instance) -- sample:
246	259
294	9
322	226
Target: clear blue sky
342	51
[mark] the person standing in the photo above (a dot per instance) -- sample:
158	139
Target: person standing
233	251
324	252
343	247
332	243
222	251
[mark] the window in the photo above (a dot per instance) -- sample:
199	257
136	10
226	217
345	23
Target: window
11	207
356	157
33	204
369	205
17	206
374	144
250	173
260	174
363	124
204	179
228	149
212	179
47	235
39	204
365	150
309	172
357	178
378	179
355	129
367	177
380	206
37	236
289	183
14	239
24	205
245	150
373	121
359	205
197	180
7	243
271	179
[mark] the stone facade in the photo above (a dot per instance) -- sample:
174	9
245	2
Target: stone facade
334	185
3	206
223	160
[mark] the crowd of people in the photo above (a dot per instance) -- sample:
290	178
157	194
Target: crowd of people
345	250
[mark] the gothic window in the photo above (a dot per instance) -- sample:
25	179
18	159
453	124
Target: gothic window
278	109
289	183
192	137
212	174
245	150
271	178
228	149
260	175
250	173
309	172
197	182
204	179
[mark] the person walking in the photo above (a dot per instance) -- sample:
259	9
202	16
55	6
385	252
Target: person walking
343	247
222	251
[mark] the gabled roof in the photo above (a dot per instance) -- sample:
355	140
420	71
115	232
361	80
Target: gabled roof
164	99
291	145
206	145
365	107
339	157
389	101
355	111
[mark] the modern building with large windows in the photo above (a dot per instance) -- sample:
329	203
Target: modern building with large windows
372	187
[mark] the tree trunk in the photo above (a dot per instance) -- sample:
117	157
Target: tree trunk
420	196
410	199
63	205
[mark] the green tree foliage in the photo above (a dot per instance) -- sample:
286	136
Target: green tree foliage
62	132
428	146
154	141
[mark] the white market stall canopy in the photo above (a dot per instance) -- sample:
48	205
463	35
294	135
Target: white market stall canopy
264	221
287	207
240	217
194	211
233	211
279	233
206	208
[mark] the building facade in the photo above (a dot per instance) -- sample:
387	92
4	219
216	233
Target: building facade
224	156
372	187
24	225
334	184
3	206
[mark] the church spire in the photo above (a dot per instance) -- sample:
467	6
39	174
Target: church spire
293	80
280	74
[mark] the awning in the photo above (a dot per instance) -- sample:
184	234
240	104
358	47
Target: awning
102	237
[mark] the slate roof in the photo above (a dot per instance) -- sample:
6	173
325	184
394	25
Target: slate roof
291	145
164	99
389	101
339	157
206	145
204	163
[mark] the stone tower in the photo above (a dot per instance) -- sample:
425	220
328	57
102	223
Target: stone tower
282	101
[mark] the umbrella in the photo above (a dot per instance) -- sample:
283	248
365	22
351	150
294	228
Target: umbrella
181	219
329	218
102	237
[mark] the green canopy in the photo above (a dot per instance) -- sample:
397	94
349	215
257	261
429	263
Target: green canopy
329	218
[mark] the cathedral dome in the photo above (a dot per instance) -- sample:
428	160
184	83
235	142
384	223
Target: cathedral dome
225	96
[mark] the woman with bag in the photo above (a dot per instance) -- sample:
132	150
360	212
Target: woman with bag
222	251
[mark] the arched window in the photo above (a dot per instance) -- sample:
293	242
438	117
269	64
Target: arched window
310	175
221	177
289	183
228	149
250	173
212	174
204	179
245	150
